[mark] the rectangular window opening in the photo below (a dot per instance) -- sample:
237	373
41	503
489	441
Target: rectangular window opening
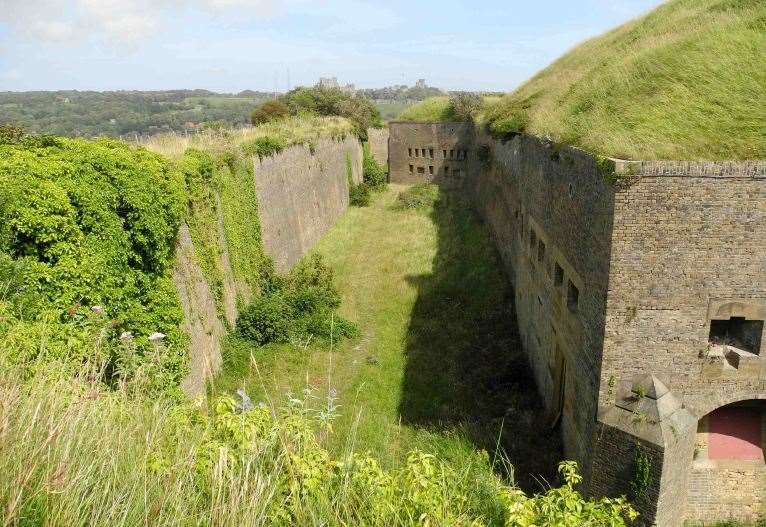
412	168
445	154
431	170
573	296
737	332
540	251
558	276
446	171
421	170
409	150
451	154
417	152
431	153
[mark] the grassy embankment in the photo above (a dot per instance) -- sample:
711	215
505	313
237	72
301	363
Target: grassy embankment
438	364
686	81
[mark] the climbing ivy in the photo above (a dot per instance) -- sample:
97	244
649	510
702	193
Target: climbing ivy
642	474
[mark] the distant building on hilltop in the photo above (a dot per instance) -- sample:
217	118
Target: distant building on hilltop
331	83
421	84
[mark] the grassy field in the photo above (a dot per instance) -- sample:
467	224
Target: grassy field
438	362
686	81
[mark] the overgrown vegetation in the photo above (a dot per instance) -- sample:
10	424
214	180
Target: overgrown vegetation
686	81
88	456
420	197
87	229
359	110
298	306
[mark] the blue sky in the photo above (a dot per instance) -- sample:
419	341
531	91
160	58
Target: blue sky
231	45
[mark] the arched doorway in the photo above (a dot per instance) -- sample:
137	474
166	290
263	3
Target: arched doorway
728	473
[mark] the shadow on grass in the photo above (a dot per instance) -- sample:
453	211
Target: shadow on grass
465	368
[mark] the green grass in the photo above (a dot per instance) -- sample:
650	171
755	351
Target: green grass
438	363
433	109
390	110
686	81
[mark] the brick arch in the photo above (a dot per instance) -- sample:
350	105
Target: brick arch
737	397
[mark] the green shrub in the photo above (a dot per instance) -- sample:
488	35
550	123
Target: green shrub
419	197
269	111
360	195
333	101
374	175
263	146
299	304
465	105
10	133
266	319
91	224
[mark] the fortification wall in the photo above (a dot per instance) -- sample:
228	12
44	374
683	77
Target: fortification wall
689	251
430	152
302	191
550	213
378	141
689	239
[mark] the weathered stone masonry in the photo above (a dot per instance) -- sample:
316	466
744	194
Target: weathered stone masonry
301	194
641	305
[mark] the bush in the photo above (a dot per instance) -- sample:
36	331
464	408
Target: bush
374	176
322	101
10	133
263	146
360	195
302	303
266	320
465	105
269	111
90	225
419	197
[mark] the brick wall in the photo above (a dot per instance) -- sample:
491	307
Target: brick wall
681	245
301	194
430	152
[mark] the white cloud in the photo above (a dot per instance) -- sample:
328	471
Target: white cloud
115	21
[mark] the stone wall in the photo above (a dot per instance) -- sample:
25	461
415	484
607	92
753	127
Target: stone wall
301	194
652	256
689	247
430	152
550	213
378	141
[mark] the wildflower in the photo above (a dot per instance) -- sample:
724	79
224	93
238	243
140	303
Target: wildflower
156	337
246	404
126	336
99	310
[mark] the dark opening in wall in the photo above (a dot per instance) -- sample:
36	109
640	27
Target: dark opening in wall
417	152
445	154
446	171
558	275
421	170
540	251
451	154
532	239
412	168
424	152
573	296
409	151
431	152
737	332
431	170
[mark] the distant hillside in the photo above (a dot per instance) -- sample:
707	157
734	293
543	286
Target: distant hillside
124	113
686	81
